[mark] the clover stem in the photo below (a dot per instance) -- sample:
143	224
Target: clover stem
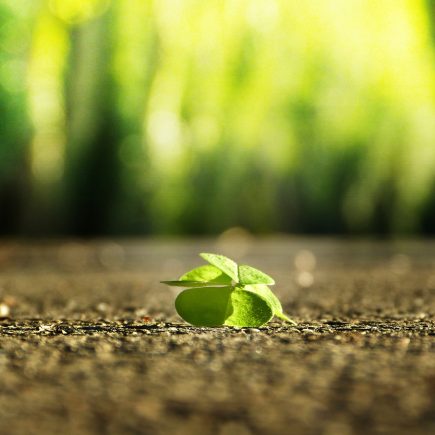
282	316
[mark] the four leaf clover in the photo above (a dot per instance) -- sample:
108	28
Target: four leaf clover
224	293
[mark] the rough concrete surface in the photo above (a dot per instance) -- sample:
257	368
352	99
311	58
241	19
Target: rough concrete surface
90	342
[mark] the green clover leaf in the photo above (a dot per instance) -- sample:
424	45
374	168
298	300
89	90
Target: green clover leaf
225	294
223	263
207	273
249	275
217	306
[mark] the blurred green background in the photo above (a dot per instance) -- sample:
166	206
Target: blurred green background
190	117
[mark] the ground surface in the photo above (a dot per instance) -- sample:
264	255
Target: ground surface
92	344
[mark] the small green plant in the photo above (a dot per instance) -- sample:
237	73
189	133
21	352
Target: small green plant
224	293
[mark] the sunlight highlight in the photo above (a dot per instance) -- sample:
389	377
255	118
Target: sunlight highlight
46	101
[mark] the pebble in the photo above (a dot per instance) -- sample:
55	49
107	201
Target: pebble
4	311
252	331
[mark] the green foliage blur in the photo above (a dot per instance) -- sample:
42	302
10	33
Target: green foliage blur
139	117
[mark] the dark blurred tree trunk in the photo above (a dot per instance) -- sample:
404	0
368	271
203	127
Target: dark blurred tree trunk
92	164
15	131
141	55
428	215
14	178
14	189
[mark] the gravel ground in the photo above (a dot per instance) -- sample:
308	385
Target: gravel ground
90	342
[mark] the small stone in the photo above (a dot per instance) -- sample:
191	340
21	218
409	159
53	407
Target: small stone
102	307
4	311
252	330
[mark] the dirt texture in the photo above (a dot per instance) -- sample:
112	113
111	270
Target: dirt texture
90	342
